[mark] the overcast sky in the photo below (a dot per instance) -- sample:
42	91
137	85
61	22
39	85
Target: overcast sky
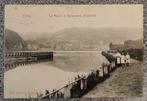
40	18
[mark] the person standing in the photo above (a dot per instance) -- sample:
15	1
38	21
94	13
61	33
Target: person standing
47	93
127	59
122	60
118	59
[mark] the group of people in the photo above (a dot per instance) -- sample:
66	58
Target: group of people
54	94
122	59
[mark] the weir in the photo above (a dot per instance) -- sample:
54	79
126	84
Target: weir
38	54
20	58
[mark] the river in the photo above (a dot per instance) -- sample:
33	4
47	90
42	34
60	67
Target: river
26	81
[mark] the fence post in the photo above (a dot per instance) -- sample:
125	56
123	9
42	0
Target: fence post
108	69
103	70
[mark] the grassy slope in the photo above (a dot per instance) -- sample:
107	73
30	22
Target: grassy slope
124	82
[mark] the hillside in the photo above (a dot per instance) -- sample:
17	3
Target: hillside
87	38
13	42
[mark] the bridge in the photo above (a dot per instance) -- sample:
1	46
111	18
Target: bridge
16	58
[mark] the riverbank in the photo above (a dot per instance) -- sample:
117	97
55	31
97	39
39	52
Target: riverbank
124	82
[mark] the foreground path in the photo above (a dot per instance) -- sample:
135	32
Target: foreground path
124	82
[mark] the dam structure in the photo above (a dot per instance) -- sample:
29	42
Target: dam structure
16	58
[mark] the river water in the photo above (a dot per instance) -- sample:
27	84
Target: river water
26	81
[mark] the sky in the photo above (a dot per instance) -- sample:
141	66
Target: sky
26	19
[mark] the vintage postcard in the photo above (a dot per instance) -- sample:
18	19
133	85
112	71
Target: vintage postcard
73	51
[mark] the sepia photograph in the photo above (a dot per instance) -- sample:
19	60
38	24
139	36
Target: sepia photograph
73	51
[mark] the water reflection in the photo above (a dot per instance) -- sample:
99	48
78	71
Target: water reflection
78	61
27	81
